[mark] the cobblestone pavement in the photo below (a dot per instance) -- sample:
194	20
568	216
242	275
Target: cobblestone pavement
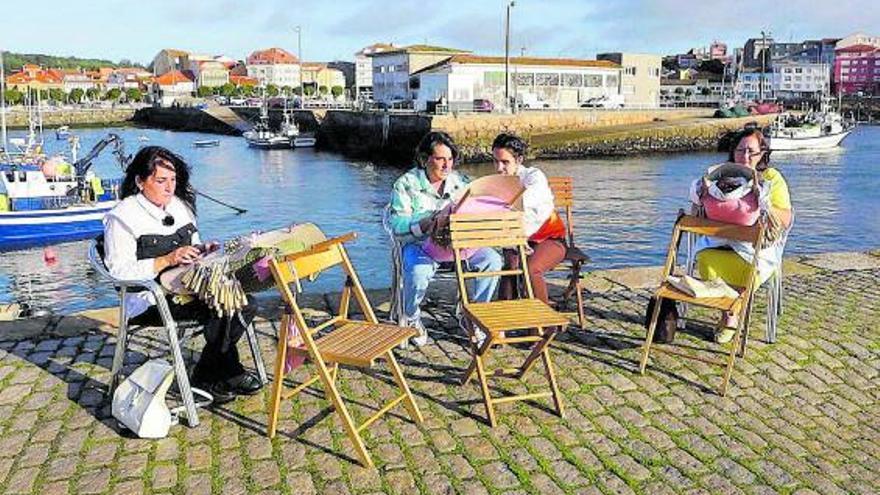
801	415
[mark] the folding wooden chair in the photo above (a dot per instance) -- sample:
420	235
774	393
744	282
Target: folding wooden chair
575	258
497	318
740	305
350	342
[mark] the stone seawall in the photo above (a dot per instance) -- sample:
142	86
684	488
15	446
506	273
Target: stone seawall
571	134
83	117
193	119
383	136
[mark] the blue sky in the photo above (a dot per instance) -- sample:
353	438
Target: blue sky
335	29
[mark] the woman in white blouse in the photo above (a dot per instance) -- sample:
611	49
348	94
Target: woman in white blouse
153	228
543	226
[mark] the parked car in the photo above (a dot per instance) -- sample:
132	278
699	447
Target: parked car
606	101
531	101
483	105
253	102
237	100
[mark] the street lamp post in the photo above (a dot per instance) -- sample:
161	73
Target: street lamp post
2	104
299	54
507	54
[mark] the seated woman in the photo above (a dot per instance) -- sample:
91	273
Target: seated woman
420	203
730	262
153	228
543	226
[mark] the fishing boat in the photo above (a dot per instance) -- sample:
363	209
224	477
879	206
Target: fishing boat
812	131
290	130
45	201
62	133
261	136
206	143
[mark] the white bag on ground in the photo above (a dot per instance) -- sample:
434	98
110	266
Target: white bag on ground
139	401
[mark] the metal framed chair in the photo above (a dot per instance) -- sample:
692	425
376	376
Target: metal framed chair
575	258
740	305
176	334
348	342
497	319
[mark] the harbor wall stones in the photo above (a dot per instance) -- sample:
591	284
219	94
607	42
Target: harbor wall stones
382	136
196	120
81	117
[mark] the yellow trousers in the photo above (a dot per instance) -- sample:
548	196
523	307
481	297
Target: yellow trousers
726	265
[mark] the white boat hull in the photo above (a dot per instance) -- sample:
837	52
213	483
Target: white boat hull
783	143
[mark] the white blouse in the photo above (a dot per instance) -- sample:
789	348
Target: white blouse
131	218
537	198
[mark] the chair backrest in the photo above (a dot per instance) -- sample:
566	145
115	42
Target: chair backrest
563	199
291	269
488	230
508	188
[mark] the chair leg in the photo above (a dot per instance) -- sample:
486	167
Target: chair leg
182	378
410	401
536	352
646	349
484	387
350	429
582	317
255	352
119	352
551	377
278	380
482	350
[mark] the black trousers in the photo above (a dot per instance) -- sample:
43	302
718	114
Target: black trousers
220	359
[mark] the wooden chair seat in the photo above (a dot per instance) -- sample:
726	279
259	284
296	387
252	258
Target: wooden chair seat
574	253
668	291
359	343
500	316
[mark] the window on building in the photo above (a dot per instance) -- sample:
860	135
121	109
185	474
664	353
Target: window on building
592	81
798	70
525	79
547	79
611	81
572	80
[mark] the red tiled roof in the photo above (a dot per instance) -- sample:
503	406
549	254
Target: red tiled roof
243	80
172	77
271	56
857	48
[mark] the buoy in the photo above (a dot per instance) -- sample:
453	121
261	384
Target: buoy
49	256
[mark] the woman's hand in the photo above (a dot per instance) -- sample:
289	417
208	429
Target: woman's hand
183	255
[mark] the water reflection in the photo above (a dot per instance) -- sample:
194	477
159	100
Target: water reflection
623	217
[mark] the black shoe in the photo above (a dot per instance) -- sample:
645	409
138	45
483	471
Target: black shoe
243	384
218	390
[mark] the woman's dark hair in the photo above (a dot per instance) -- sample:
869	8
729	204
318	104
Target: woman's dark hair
426	146
762	141
144	164
511	143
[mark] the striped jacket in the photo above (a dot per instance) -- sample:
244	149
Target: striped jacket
413	198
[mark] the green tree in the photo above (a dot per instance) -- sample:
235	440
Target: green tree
133	95
297	91
44	94
227	89
204	91
14	96
705	91
271	90
113	94
337	91
93	94
310	90
76	95
56	94
323	90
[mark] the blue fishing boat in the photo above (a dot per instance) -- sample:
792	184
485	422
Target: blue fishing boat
46	201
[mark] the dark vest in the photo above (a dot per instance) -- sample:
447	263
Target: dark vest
154	245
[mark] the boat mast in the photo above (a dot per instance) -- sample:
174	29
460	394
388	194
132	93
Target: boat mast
3	144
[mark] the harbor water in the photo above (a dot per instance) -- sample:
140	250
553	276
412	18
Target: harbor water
624	211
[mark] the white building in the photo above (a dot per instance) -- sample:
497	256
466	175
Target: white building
274	66
363	69
535	82
858	39
639	77
801	80
392	69
171	86
749	85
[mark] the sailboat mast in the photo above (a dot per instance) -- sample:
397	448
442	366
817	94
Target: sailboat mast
3	143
